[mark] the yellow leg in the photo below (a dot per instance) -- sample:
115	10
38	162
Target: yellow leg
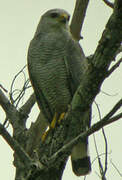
52	126
61	117
44	135
53	123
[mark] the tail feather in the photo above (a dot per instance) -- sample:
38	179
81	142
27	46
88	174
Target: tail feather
80	159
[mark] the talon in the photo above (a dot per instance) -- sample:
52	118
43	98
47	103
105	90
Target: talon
61	117
44	135
52	126
53	123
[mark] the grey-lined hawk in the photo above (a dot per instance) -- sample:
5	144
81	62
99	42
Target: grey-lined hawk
55	69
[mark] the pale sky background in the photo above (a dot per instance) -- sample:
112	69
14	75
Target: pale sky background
18	21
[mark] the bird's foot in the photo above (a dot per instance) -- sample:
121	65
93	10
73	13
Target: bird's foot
52	126
53	123
44	135
61	117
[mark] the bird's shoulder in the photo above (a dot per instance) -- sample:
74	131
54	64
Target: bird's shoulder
75	62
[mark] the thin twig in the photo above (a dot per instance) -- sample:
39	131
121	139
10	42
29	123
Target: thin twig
98	175
108	94
20	92
11	88
102	154
26	108
108	3
114	67
114	109
102	170
106	152
99	160
116	168
98	157
3	88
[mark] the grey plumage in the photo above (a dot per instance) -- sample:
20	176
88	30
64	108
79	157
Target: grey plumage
55	68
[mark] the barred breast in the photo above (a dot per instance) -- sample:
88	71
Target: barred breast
48	72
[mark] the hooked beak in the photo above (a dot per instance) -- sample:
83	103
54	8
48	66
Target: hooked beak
64	17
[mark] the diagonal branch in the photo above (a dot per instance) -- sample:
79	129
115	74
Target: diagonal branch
96	73
108	3
96	127
10	110
114	67
26	108
78	18
3	88
114	109
115	167
15	146
16	119
110	40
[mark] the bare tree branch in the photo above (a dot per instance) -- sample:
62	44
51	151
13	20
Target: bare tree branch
115	118
96	73
94	128
119	50
16	95
114	67
14	116
108	45
102	154
106	154
105	121
35	133
114	109
11	89
78	18
15	146
3	88
108	3
116	168
26	108
3	100
9	109
98	157
102	170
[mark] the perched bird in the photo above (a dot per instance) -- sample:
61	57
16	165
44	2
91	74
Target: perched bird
55	65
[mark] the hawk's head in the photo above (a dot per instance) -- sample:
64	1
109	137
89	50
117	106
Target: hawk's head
54	18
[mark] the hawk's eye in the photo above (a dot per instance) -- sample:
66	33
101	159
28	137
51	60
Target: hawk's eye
54	15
